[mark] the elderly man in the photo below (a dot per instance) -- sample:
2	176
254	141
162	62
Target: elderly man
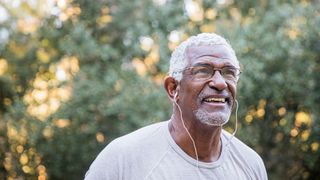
192	145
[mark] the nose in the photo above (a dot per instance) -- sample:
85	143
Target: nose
217	81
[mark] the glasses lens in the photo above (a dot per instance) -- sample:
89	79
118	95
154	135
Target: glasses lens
230	72
206	72
201	72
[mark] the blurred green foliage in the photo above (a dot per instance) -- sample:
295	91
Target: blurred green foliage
88	72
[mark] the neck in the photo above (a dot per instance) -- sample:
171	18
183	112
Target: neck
206	138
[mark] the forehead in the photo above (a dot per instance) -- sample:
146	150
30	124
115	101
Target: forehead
195	53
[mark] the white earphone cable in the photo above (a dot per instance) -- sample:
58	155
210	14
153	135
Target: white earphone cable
235	126
193	142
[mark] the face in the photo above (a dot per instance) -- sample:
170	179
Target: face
209	101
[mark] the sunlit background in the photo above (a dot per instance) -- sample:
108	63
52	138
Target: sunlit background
75	74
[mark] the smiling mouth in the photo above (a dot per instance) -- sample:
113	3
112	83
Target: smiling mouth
215	100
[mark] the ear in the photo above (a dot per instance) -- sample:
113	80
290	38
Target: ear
170	85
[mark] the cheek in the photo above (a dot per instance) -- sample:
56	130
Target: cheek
233	89
191	96
195	96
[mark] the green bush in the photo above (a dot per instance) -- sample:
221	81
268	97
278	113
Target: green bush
53	123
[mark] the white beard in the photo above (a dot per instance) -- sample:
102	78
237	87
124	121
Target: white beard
212	119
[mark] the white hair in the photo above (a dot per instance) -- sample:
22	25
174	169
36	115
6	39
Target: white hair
178	60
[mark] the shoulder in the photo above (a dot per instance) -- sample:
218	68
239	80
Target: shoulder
141	137
121	154
237	145
137	139
246	155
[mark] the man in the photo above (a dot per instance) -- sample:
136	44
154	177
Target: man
192	145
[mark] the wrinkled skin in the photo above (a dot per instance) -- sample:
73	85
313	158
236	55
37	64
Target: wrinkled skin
200	117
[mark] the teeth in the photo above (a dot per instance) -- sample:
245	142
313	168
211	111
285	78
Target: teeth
215	100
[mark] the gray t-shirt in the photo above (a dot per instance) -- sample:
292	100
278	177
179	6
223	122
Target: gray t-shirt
150	153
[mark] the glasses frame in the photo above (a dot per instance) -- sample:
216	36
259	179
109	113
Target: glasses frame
214	71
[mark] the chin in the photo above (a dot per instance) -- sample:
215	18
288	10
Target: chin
212	119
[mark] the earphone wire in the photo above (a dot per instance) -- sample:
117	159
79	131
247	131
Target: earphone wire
193	142
184	126
236	125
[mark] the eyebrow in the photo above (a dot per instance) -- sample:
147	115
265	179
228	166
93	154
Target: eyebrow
226	64
215	56
202	64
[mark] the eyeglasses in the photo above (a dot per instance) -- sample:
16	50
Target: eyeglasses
205	72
